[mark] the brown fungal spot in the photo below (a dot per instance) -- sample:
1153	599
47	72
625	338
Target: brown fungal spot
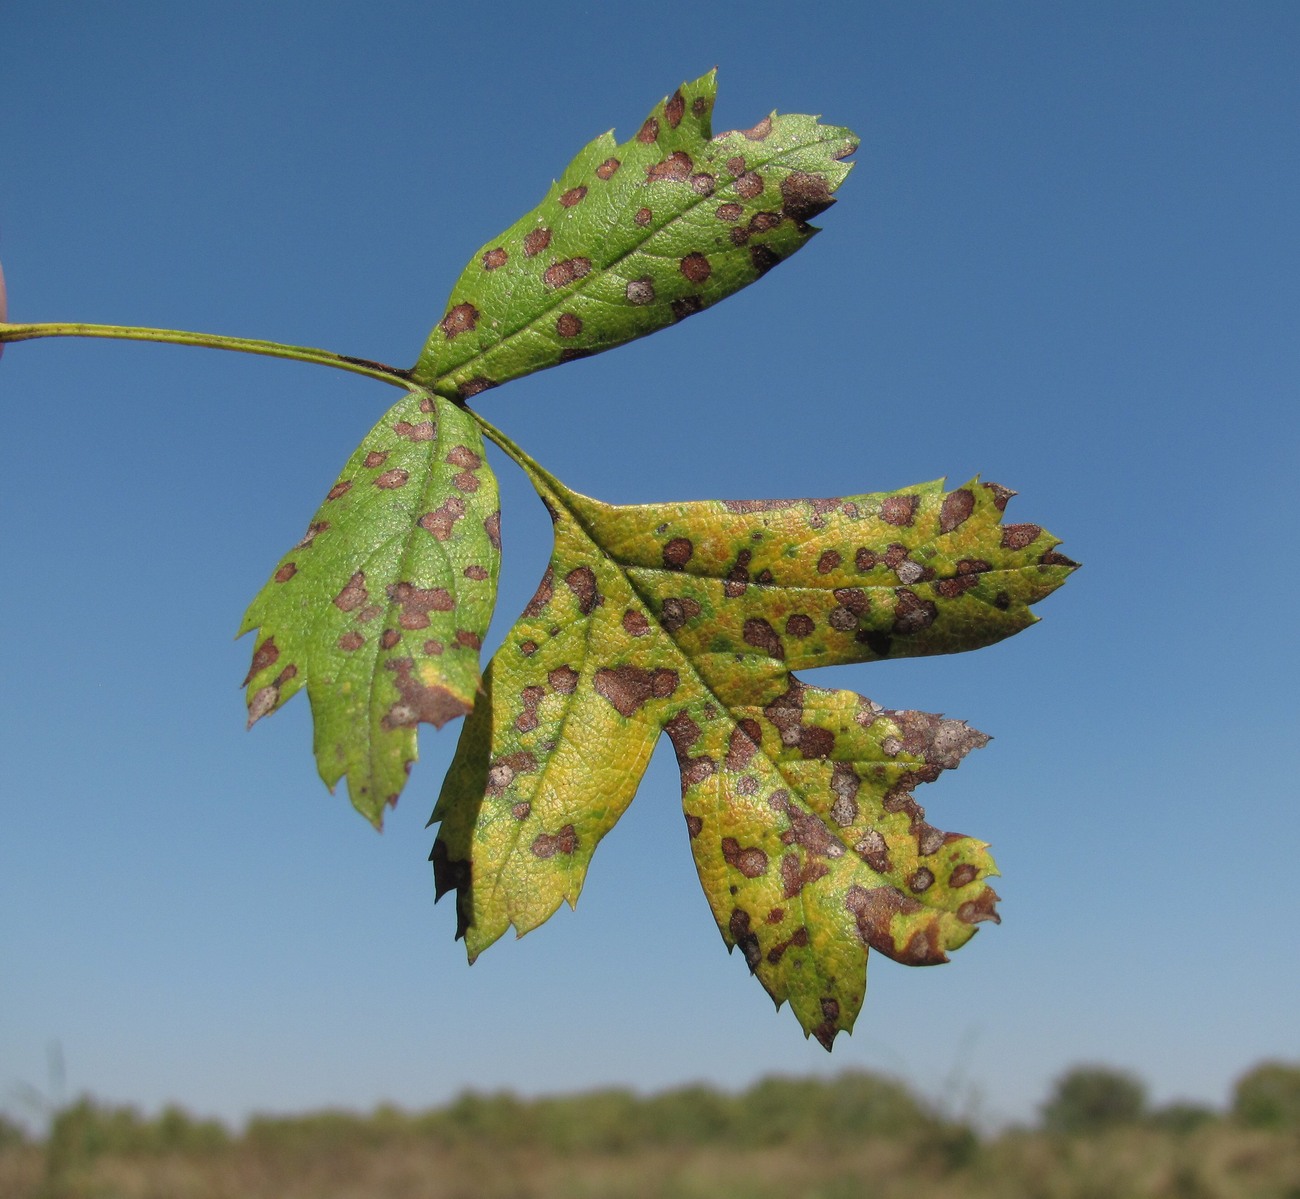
353	594
982	908
463	456
912	613
962	875
1017	537
469	639
648	132
390	480
564	272
474	386
465	481
417	602
686	306
419	702
643	216
607	168
743	744
581	580
628	687
762	258
799	625
761	635
547	845
922	880
477	573
641	291
1000	495
746	940
495	258
874	909
563	679
676	168
678	552
285	573
314	530
749	185
635	623
542	596
844	786
531	697
956	509
795	876
899	510
521	810
340	489
953	587
375	459
420	431
864	559
262	702
693	825
460	319
432	647
683	732
874	850
535	241
351	640
368	613
749	860
704	183
695	267
575	195
973	566
828	562
729	212
674	109
528	648
804	195
764	222
759	131
568	325
441	520
842	619
266	654
676	611
797	938
736	165
492	527
1052	558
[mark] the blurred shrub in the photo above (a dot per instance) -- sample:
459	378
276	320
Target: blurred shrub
1268	1096
1182	1118
1091	1099
11	1133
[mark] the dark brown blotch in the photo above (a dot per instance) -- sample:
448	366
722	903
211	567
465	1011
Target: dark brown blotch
581	580
460	319
547	845
627	688
566	271
804	195
535	241
494	259
574	196
696	267
762	636
956	510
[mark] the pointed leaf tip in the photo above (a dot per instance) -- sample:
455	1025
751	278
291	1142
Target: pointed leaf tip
634	237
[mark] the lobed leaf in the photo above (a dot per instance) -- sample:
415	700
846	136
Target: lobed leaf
381	608
687	619
634	237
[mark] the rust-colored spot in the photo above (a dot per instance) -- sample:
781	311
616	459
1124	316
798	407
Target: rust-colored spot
795	876
417	602
545	590
1000	495
340	489
696	267
564	272
424	430
535	241
736	164
643	216
874	850
899	510
575	195
581	580
804	195
763	258
635	623
677	552
676	168
799	625
749	185
693	825
607	168
563	679
418	702
354	593
285	573
495	258
641	291
750	860
686	306
982	908
492	527
314	530
962	875
704	183
532	697
469	639
568	325
729	212
873	909
351	640
1017	537
628	687
433	647
745	939
441	520
547	845
761	635
521	810
460	319
477	573
956	509
266	654
375	458
676	611
675	109
829	560
912	613
760	131
743	744
463	456
390	480
474	386
648	132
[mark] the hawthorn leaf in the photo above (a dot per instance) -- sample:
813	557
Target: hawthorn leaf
687	618
381	608
634	237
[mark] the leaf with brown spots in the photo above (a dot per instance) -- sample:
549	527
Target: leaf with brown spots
687	619
381	608
634	237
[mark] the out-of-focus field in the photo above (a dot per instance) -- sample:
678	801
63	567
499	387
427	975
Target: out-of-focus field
857	1135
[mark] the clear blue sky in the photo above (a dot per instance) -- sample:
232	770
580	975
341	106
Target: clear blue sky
1068	259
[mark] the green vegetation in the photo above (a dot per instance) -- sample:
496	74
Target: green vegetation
856	1134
